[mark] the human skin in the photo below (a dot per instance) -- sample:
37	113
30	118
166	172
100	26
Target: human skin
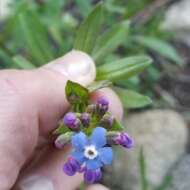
31	104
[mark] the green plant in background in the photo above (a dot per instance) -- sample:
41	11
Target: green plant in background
144	179
38	31
39	40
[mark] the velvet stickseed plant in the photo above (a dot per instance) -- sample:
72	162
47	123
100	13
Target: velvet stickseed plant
92	132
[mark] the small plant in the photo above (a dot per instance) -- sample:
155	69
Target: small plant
92	131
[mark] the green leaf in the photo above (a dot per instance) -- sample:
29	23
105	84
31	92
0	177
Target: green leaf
166	183
98	85
88	31
110	40
116	126
123	68
22	62
36	37
132	99
77	95
143	174
160	46
84	6
5	59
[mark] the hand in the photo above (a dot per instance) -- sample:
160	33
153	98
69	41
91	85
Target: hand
31	104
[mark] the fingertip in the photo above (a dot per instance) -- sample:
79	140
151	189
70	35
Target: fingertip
76	65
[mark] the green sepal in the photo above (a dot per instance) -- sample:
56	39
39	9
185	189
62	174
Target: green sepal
62	129
116	126
77	95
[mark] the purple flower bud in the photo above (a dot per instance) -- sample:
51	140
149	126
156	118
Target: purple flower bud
71	121
102	105
124	140
91	176
107	120
74	163
103	101
71	167
85	119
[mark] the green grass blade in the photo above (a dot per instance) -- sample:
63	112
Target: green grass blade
143	174
166	183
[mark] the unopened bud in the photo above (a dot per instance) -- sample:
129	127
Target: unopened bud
85	119
71	121
102	105
107	120
124	140
91	109
63	140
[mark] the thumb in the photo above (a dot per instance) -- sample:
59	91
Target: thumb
76	66
31	103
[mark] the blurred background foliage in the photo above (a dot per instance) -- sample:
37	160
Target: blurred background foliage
38	31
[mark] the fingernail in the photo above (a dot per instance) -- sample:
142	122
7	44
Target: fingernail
76	66
36	183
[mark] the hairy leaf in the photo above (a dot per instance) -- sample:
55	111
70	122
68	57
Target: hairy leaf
77	95
160	46
123	68
36	37
110	40
132	99
89	30
22	62
84	6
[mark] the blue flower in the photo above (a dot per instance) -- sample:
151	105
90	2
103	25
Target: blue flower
92	152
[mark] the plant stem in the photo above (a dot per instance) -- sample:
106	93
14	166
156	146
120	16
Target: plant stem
82	186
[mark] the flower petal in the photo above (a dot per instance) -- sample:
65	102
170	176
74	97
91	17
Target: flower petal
106	155
93	164
79	156
98	137
79	140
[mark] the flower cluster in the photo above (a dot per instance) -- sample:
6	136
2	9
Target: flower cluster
92	135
